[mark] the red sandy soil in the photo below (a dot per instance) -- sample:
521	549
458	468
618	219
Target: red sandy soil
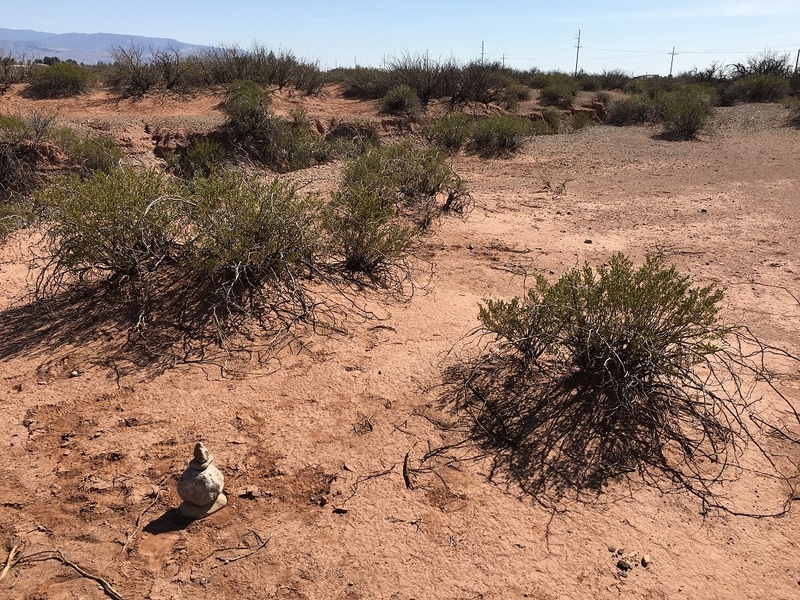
313	442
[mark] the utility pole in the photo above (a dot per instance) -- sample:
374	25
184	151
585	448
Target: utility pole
578	52
797	62
504	61
672	60
481	52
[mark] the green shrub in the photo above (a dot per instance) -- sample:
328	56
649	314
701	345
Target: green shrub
410	179
350	139
615	79
60	80
684	113
14	129
202	156
590	83
120	225
363	228
246	104
558	93
609	370
634	110
513	94
580	120
450	133
88	153
603	98
402	100
758	88
552	117
248	234
364	83
500	135
14	216
281	145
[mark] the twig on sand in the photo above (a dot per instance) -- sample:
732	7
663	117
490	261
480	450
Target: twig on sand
10	560
139	519
261	543
14	561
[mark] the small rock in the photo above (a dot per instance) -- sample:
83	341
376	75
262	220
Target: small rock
620	551
703	210
469	247
624	565
612	549
74	374
646	560
587	241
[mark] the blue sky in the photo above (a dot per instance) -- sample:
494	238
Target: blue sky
636	36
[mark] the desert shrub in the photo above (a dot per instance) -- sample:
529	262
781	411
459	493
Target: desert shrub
363	229
202	156
33	128
427	77
603	98
18	177
14	215
280	144
552	117
402	100
246	104
580	120
451	132
247	235
614	79
290	145
60	80
607	371
309	78
365	83
14	128
132	74
768	62
558	93
634	110
118	226
683	114
500	135
478	81
758	88
410	179
88	153
349	139
590	83
513	94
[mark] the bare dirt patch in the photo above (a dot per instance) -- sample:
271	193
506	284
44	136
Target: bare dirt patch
319	446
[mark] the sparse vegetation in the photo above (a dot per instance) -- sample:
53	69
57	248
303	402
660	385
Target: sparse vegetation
402	100
500	135
418	183
59	80
87	153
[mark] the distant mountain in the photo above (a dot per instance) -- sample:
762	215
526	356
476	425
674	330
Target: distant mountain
88	48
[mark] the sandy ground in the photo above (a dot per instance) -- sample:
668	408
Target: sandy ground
313	443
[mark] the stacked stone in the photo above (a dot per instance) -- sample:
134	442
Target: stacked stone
200	486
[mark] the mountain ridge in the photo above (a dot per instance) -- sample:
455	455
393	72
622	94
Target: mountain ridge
88	48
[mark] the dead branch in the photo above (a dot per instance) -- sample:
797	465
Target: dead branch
58	556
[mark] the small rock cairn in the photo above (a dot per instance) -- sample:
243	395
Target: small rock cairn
200	486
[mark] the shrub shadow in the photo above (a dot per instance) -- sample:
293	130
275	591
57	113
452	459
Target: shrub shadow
549	437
